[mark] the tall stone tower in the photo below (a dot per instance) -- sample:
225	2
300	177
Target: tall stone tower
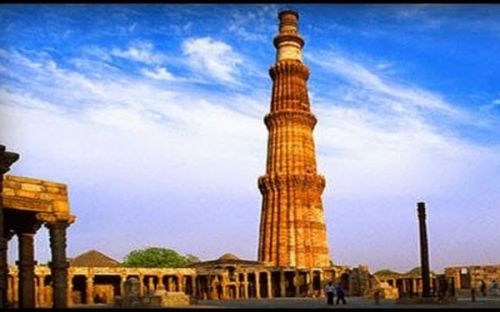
292	225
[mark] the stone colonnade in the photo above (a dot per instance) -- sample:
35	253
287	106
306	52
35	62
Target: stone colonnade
92	285
260	283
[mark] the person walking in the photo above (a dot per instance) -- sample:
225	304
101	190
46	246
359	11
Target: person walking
482	288
340	294
494	288
330	293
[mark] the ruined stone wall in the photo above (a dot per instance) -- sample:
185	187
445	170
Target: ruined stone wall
476	273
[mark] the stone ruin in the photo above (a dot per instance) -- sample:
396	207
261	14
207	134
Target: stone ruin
157	298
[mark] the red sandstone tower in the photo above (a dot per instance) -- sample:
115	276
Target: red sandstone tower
292	225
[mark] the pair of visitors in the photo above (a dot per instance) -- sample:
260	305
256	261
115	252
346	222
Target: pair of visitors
330	293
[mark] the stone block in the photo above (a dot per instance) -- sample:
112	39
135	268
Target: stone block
11	184
47	196
53	189
28	194
32	187
60	206
8	192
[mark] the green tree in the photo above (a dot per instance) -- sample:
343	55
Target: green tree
156	257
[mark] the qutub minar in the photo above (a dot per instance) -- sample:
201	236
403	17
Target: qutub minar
292	225
293	255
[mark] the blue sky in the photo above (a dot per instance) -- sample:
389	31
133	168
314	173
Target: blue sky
153	115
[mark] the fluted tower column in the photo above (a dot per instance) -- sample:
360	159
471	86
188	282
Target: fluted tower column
292	225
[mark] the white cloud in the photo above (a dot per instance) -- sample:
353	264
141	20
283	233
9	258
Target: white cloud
213	58
159	73
142	51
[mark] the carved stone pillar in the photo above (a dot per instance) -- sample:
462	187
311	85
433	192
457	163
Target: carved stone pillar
41	291
269	285
180	283
6	160
141	284
224	286
151	284
237	290
123	279
282	284
310	281
69	293
10	289
245	285
89	290
193	285
37	301
26	266
168	286
15	289
257	285
296	283
59	265
161	284
321	284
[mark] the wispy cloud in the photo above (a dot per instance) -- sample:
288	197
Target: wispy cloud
141	51
256	25
159	73
399	97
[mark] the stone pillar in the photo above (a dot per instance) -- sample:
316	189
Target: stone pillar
59	265
168	286
245	286
237	290
282	284
26	271
424	251
123	280
269	285
321	283
10	289
257	285
6	160
41	291
141	284
151	284
193	285
180	283
310	280
69	290
37	301
296	283
15	289
223	282
90	289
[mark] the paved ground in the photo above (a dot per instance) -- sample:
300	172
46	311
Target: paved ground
320	303
353	302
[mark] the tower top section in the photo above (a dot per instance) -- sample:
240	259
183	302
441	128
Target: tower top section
288	42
